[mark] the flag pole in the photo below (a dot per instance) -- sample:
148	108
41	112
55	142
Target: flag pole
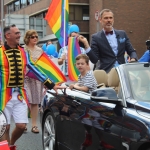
64	66
2	19
64	21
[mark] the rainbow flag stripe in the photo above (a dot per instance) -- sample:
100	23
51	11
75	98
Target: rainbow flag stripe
3	79
73	52
57	18
45	64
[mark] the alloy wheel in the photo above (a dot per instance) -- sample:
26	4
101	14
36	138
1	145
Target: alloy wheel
49	133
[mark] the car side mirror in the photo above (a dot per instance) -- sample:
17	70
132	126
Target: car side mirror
107	95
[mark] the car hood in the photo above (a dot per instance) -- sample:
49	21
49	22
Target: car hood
143	108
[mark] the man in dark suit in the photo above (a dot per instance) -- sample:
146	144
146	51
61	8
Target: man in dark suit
108	45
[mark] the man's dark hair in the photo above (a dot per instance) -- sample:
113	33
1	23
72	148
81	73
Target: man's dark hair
7	28
148	44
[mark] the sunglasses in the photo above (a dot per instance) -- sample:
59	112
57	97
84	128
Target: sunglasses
32	37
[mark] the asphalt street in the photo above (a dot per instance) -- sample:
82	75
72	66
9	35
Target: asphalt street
29	140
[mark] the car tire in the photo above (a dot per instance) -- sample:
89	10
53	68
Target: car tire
49	133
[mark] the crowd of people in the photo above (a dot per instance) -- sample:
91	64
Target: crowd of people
20	92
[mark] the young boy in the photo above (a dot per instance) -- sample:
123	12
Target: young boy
86	80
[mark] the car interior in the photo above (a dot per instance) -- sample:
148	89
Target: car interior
107	80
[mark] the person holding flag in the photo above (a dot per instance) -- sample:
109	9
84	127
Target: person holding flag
58	20
62	56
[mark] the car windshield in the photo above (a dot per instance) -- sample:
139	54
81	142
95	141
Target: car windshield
139	80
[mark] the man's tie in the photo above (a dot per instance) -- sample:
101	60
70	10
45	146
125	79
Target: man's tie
110	32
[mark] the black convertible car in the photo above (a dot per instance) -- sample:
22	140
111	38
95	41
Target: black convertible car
116	116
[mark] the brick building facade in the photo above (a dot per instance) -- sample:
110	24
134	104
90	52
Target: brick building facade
131	16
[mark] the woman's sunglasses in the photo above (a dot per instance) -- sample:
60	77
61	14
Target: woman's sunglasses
32	37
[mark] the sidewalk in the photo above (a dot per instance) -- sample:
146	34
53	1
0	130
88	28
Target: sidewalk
29	140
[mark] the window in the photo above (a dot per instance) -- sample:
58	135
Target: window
29	2
31	22
23	3
39	24
16	6
71	13
10	8
85	11
78	12
40	34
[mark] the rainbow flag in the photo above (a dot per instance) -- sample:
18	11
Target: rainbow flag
57	18
45	64
73	51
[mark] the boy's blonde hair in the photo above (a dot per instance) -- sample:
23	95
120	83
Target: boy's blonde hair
83	56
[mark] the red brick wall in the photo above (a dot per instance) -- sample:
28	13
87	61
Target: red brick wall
94	5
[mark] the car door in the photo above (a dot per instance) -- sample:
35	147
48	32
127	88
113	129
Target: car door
67	108
95	125
58	108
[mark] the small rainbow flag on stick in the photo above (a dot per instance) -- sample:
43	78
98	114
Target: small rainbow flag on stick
49	68
73	51
57	18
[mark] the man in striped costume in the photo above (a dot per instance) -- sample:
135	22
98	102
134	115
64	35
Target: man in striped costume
13	98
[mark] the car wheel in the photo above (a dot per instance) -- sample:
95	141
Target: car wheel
48	133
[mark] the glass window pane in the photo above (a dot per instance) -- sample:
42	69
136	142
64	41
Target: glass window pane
23	3
29	2
39	15
71	16
45	22
31	27
35	1
44	14
10	8
85	13
16	6
78	12
71	13
39	25
71	9
40	34
31	21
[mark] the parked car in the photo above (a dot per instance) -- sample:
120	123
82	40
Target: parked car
114	117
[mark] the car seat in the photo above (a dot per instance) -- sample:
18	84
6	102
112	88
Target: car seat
113	80
101	78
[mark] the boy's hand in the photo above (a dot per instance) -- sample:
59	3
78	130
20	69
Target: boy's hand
56	87
71	86
77	86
